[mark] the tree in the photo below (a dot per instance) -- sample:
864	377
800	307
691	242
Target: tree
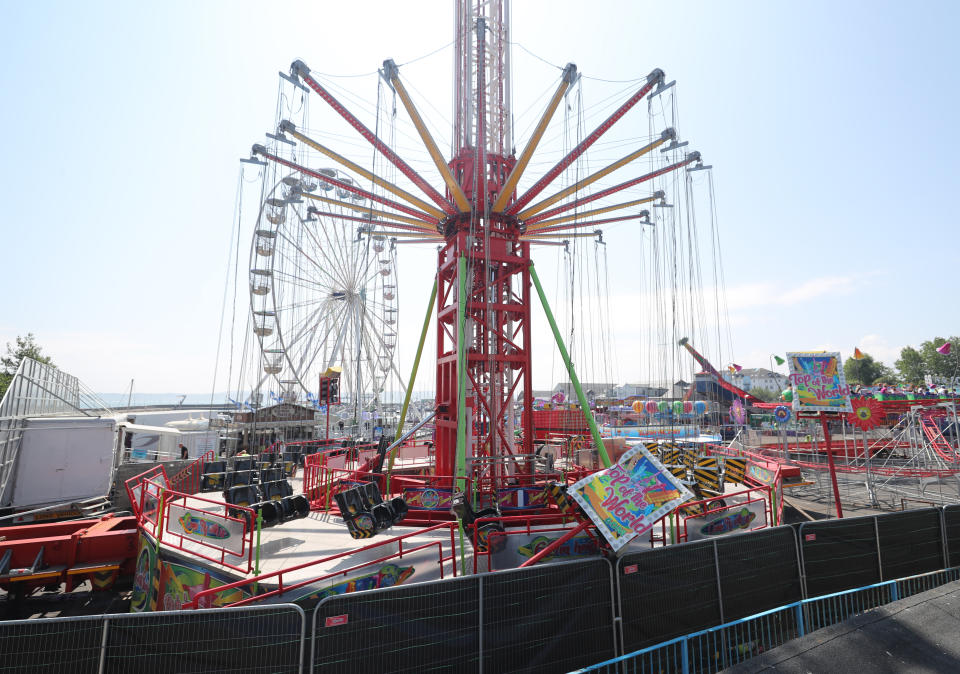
914	364
937	364
866	371
910	365
764	395
27	347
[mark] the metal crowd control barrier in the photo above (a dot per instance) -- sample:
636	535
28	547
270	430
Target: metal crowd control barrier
714	649
843	554
501	622
267	640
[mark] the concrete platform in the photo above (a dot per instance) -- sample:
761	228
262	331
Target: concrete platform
917	634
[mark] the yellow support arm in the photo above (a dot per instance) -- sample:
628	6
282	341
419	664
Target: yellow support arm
393	74
590	214
366	210
668	134
288	128
569	77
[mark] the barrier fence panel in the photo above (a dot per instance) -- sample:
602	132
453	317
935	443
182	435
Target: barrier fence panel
910	543
951	526
265	640
666	593
548	618
268	639
758	571
839	555
54	646
416	628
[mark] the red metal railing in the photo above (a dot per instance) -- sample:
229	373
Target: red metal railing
135	486
152	499
205	597
525	528
708	506
188	480
239	560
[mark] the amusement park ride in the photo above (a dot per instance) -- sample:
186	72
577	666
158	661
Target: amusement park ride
480	474
485	225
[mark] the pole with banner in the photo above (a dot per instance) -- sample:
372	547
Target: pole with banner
820	391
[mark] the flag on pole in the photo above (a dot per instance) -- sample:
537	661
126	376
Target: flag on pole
779	360
736	368
945	349
857	354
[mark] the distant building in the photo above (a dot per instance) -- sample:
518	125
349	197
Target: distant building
641	390
757	378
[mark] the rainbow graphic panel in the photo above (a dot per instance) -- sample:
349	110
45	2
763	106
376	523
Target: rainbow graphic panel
818	382
627	498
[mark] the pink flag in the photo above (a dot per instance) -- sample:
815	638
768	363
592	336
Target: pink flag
945	349
737	367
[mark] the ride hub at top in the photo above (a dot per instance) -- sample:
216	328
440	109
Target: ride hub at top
484	223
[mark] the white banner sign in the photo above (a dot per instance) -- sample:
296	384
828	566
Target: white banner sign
735	519
207	528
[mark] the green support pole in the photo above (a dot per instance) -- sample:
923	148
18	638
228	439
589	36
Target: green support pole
413	378
584	405
256	568
461	464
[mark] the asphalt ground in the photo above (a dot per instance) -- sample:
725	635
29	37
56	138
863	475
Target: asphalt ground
917	634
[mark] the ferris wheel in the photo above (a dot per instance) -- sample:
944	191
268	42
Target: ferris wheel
323	293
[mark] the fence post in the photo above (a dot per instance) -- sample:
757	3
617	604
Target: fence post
800	626
103	646
943	537
480	623
684	657
716	569
876	532
894	591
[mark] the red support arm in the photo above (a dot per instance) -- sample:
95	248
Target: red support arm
652	79
300	69
353	189
694	156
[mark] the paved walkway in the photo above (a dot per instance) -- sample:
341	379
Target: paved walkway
917	634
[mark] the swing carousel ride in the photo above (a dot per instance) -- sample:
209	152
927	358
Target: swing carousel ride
483	461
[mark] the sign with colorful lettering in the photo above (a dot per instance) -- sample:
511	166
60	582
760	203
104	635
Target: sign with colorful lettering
733	519
818	382
208	528
627	498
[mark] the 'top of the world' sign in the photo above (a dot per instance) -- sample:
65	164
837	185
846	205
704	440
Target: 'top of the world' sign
627	498
818	382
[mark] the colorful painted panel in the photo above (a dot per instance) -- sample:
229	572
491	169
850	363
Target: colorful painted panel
818	382
207	528
428	498
736	518
627	498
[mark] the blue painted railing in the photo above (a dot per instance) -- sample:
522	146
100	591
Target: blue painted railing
717	648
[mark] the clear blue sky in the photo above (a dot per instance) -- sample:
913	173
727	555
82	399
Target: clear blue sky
831	127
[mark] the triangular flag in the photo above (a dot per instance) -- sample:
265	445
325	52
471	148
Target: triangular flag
732	369
736	367
857	354
779	360
945	349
